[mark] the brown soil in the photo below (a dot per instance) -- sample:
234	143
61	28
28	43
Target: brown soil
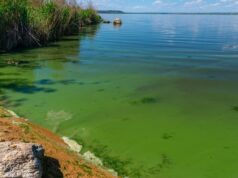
59	160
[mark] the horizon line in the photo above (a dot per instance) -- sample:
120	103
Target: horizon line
124	12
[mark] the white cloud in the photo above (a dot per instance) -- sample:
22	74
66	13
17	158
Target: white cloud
157	2
193	2
138	7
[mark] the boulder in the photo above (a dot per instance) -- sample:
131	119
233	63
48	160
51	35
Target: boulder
117	21
21	160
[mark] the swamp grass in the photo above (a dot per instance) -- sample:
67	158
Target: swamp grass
27	23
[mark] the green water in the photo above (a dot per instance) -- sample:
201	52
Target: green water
156	97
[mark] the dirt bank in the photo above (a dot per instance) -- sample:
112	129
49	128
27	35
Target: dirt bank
59	160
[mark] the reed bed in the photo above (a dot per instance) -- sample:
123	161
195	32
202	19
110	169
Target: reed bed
29	23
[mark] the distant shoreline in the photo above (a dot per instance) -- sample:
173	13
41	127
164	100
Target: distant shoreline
167	13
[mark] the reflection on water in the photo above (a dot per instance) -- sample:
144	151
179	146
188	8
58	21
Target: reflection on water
156	97
53	57
117	26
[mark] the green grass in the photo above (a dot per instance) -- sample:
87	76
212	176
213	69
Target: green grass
23	24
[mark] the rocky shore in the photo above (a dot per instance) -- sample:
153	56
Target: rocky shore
28	150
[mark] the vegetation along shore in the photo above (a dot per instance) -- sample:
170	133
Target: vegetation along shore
34	23
30	23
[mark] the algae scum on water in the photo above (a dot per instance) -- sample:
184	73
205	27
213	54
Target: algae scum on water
156	97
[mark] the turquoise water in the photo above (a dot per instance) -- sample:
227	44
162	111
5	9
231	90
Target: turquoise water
154	98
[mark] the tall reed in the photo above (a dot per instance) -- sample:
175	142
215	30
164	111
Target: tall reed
28	23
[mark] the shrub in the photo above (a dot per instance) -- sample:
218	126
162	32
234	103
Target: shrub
89	16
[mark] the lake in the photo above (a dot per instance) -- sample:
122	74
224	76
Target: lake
154	98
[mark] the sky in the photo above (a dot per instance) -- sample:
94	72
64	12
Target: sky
166	5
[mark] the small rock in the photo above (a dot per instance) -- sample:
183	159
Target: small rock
117	21
13	114
73	145
113	172
21	160
88	156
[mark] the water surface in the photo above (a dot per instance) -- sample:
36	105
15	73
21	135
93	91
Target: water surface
156	97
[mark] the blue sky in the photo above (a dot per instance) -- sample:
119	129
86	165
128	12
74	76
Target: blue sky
168	5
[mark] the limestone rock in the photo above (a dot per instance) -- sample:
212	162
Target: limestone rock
73	145
88	156
117	21
21	160
113	172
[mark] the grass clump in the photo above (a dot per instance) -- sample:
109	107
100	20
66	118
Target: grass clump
89	16
25	128
28	23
